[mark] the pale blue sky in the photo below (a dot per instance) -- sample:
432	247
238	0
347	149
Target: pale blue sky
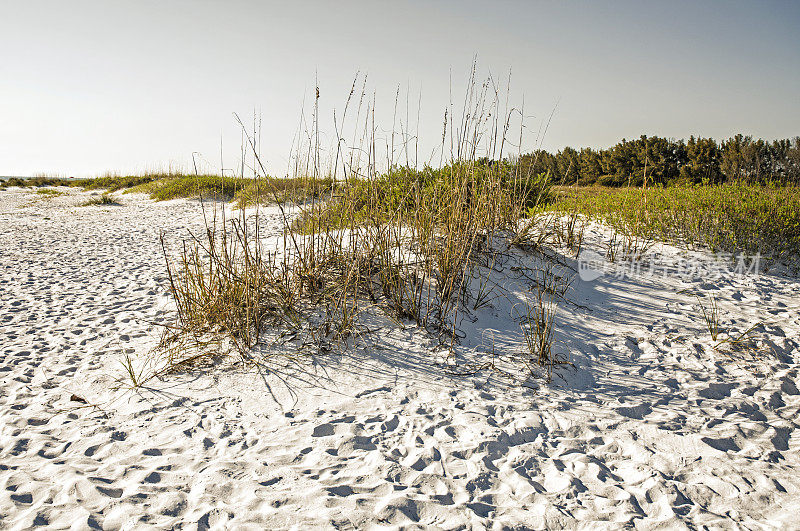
87	87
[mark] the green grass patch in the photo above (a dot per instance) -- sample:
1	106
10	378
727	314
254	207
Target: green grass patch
183	186
114	183
403	194
244	191
293	190
48	192
36	182
737	218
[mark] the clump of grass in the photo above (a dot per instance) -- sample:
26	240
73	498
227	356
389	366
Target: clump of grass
569	231
711	317
722	338
405	240
537	321
416	233
132	379
102	200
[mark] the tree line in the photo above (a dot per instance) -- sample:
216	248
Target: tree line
666	161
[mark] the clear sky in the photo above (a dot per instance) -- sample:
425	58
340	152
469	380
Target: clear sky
93	86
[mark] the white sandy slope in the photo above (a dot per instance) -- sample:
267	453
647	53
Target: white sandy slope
652	428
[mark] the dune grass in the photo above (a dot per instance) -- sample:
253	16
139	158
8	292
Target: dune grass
114	183
415	244
102	200
409	243
36	182
177	186
48	192
245	191
165	186
402	193
419	244
734	218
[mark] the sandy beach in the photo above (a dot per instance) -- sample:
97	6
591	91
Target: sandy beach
652	427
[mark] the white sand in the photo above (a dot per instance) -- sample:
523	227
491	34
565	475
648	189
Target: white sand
652	428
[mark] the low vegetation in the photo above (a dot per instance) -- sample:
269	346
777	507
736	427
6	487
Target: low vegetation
734	218
37	182
409	243
113	183
163	187
48	192
102	200
412	245
183	185
422	245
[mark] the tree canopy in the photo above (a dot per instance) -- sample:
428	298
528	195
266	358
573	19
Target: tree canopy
664	161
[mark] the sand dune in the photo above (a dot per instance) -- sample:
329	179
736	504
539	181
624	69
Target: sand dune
652	427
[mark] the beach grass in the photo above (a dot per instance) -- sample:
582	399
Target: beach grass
244	190
409	243
419	244
734	218
48	192
105	199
